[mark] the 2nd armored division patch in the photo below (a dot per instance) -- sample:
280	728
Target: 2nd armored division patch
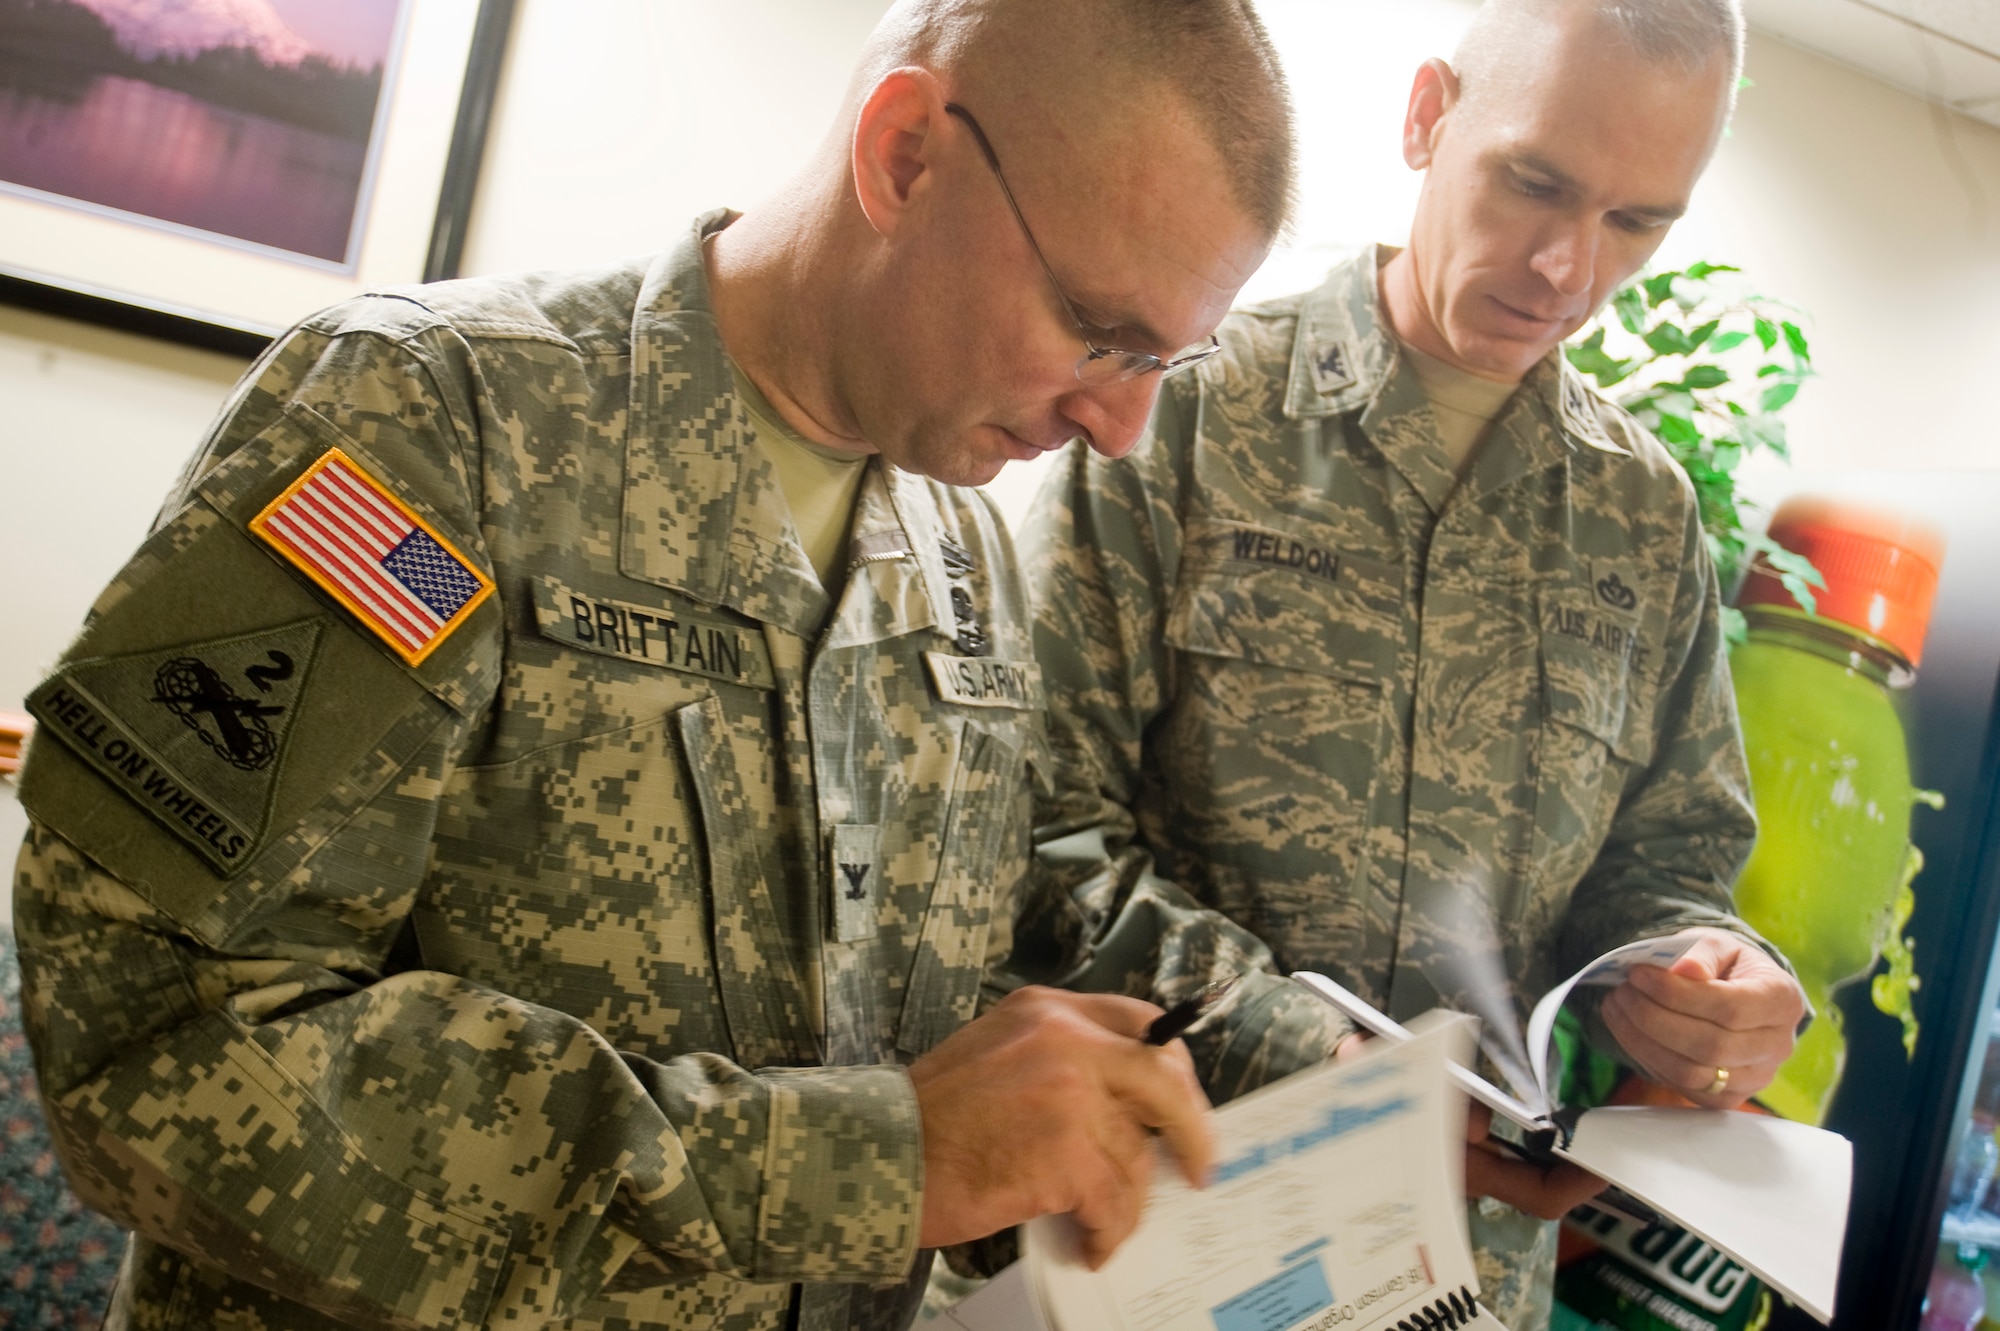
365	547
195	734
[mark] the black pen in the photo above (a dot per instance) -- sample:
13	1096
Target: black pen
1172	1023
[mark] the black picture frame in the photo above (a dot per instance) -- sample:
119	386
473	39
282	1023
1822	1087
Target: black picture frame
75	292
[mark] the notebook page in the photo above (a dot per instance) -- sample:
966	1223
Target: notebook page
1337	1202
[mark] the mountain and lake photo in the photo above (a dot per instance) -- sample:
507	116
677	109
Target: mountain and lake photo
250	119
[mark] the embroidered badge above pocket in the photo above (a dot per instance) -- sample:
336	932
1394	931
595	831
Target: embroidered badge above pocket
987	681
1249	545
672	637
365	547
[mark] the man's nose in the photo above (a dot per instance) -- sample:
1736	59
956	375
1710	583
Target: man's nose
1112	416
1567	259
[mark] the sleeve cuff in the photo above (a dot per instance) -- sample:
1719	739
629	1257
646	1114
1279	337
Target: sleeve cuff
1270	1029
843	1176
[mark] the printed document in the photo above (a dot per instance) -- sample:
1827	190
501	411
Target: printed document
1337	1201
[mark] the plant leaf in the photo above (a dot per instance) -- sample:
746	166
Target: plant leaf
1767	332
1668	340
1728	341
1777	395
1678	429
1630	303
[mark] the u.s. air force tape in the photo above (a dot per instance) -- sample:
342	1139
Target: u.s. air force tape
986	681
677	636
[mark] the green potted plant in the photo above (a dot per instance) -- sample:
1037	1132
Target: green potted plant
1707	366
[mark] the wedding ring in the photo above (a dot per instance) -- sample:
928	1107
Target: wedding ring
1720	1084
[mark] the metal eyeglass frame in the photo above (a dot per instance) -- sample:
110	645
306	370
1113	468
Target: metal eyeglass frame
1099	365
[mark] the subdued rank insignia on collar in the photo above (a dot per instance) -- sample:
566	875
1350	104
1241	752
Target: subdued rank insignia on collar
368	550
194	735
1580	416
856	881
1332	366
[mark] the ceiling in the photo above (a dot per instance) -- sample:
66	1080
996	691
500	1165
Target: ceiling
1946	51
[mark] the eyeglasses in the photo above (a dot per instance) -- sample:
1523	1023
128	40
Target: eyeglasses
1099	365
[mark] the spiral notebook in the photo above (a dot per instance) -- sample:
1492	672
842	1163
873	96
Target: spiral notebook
1337	1204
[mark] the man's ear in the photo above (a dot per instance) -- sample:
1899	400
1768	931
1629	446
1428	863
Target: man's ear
894	143
1433	94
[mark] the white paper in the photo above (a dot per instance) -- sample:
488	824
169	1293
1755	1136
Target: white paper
1769	1192
1336	1201
1368	1019
1004	1303
1608	971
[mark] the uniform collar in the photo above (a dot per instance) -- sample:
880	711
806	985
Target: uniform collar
702	510
1344	357
897	547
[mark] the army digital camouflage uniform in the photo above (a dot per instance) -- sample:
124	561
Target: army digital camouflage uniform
560	977
1409	732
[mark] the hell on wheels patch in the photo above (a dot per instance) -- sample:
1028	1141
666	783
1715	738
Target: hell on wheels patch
392	570
193	735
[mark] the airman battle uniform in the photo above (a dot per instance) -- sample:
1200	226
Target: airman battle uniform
479	876
1410	731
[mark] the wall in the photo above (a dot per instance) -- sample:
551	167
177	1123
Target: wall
620	119
94	427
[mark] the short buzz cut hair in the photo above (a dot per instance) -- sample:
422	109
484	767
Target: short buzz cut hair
1686	33
1214	56
1220	57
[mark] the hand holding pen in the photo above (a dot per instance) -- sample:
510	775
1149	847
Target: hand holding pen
1056	1102
1174	1022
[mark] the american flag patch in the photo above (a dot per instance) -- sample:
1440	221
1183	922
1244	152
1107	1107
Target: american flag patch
344	529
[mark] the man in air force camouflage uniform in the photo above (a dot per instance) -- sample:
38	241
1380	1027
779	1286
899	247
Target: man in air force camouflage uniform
1398	646
497	861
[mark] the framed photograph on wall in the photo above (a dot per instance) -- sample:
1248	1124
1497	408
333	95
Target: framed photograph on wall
213	170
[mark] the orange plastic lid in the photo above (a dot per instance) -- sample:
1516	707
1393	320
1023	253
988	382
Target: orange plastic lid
1881	568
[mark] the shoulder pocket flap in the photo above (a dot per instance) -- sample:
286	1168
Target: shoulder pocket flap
1277	617
248	481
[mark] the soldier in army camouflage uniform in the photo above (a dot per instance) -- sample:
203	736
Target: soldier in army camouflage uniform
1398	646
486	870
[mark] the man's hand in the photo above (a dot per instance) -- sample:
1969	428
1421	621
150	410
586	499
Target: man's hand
1044	1105
1546	1189
1724	1006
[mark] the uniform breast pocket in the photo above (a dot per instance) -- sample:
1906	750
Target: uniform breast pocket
1596	731
616	870
1270	747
